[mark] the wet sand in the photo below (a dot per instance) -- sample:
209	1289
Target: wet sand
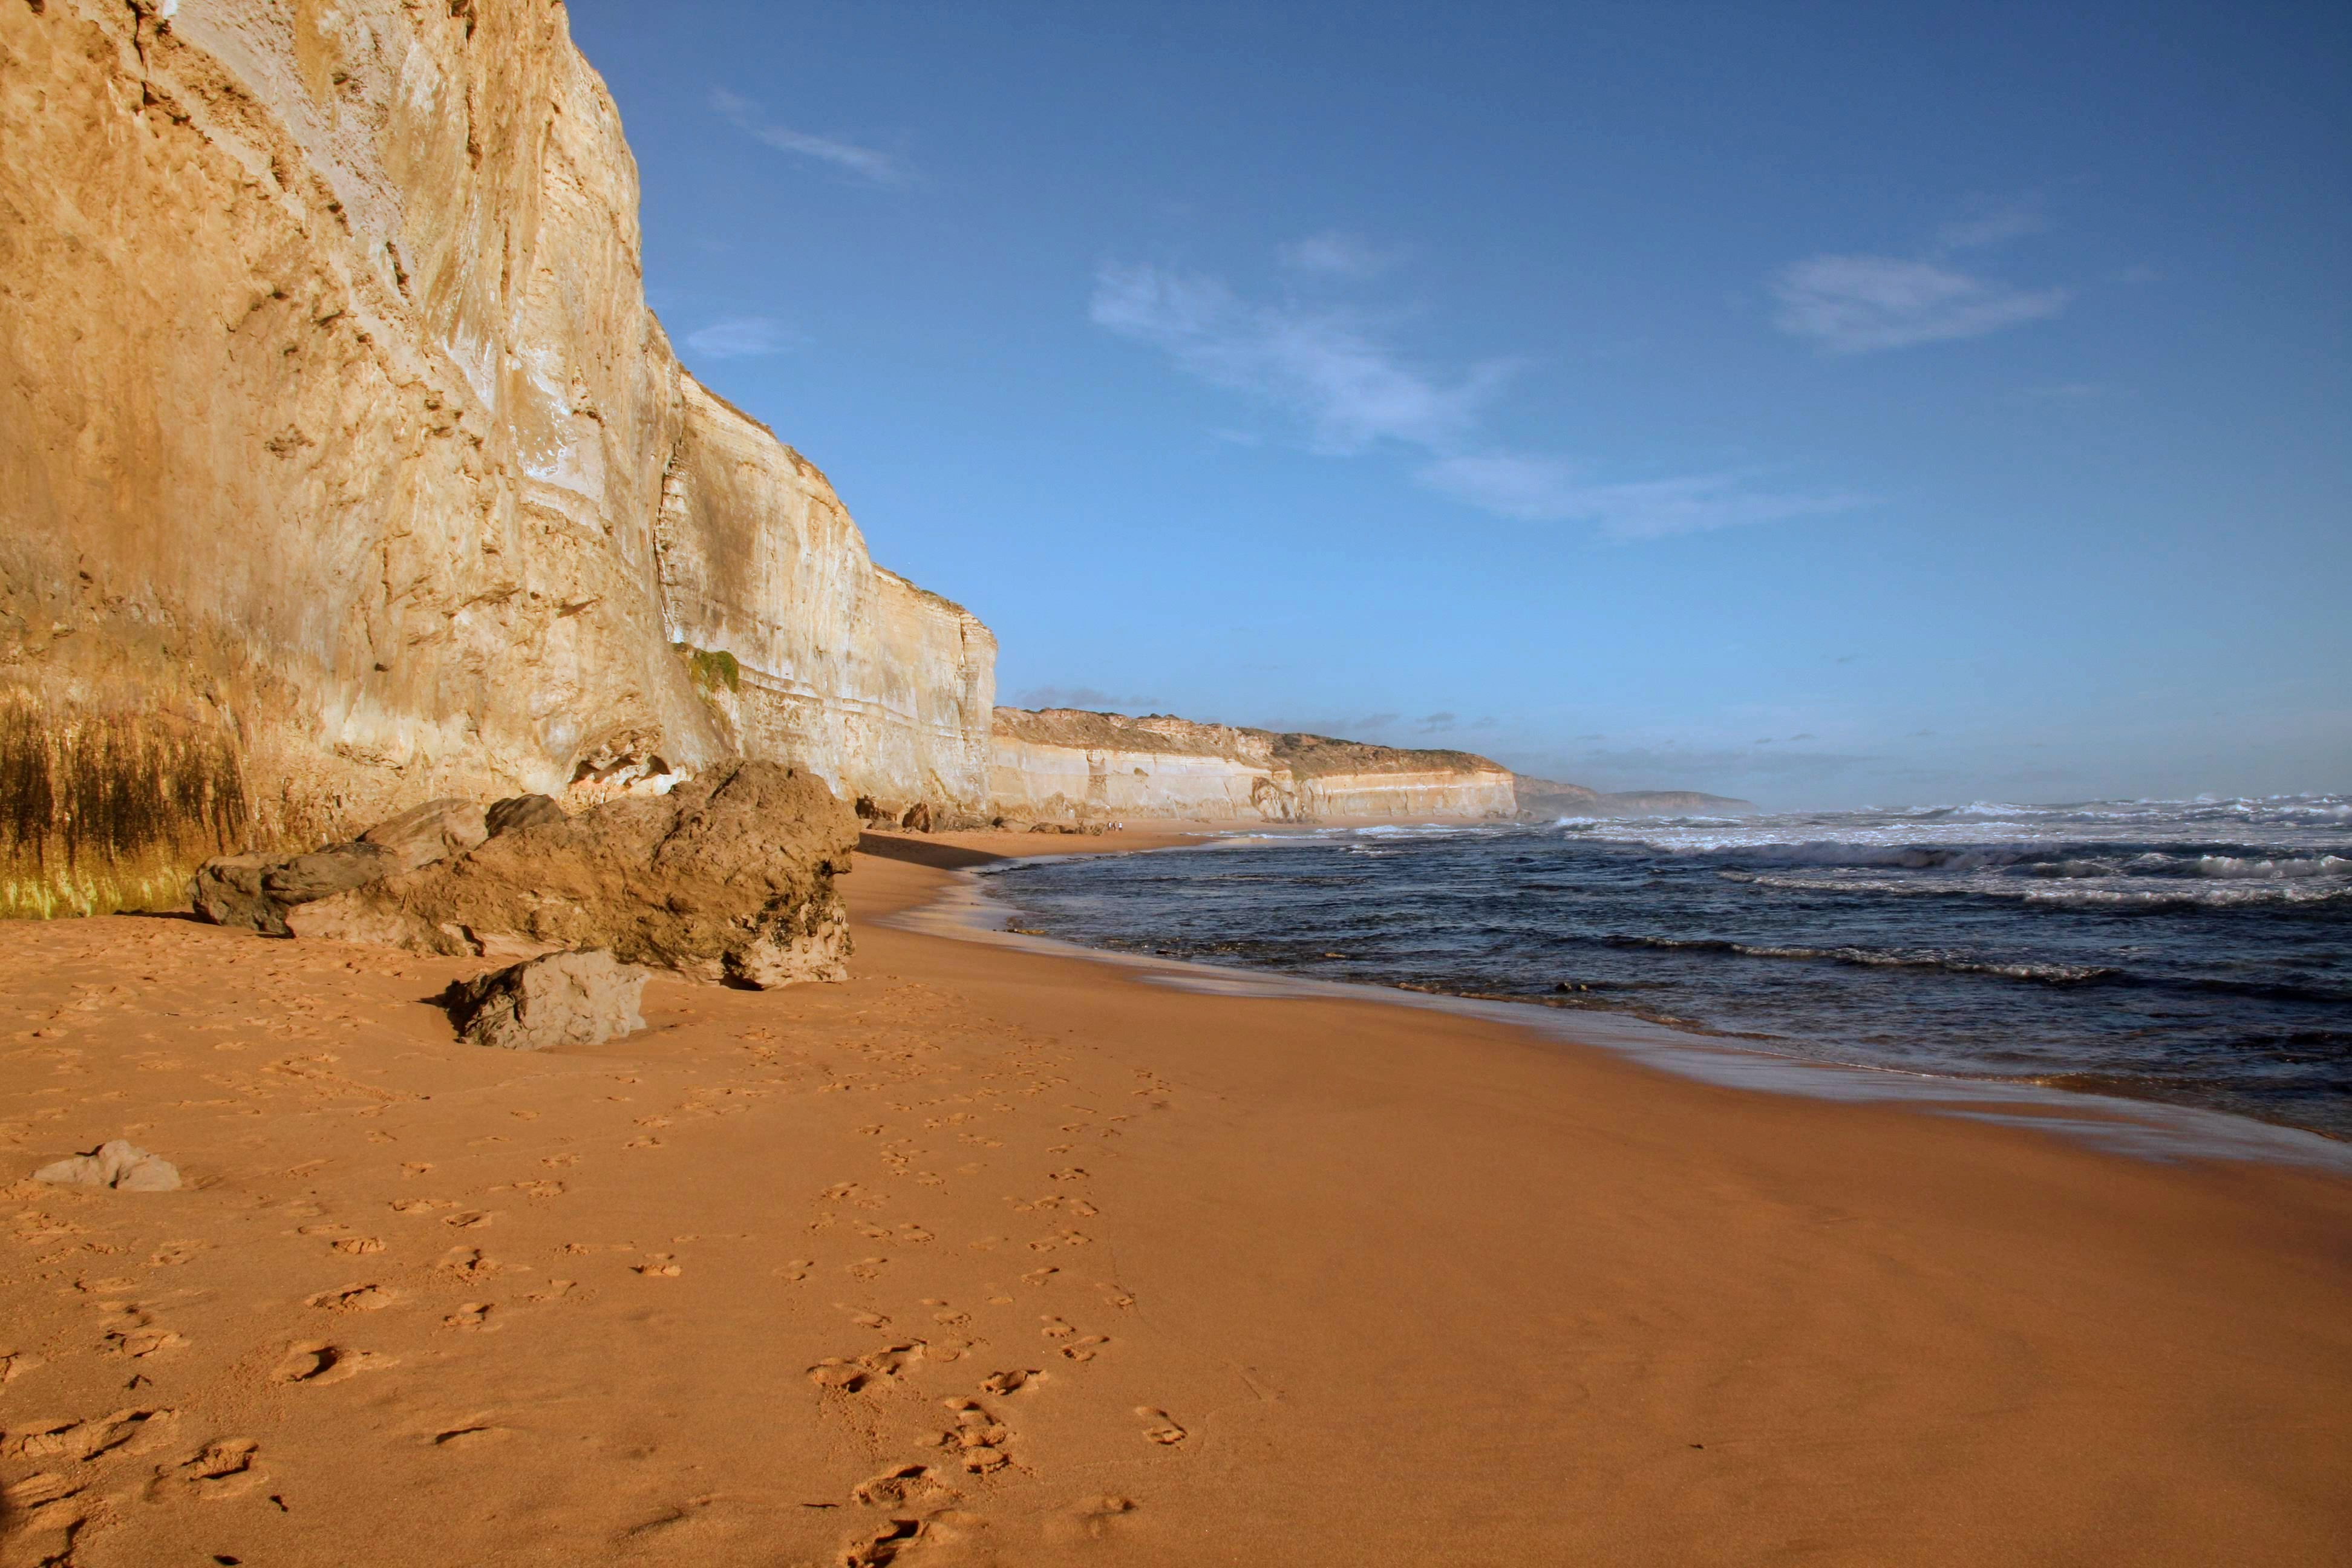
1000	1256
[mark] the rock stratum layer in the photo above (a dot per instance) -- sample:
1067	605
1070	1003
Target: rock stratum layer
345	467
1062	765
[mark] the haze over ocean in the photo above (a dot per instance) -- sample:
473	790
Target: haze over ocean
1830	406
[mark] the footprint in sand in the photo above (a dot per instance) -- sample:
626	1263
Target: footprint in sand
867	1268
979	1438
541	1189
1039	1276
1158	1426
358	1246
834	1372
318	1364
414	1170
176	1253
878	1548
659	1266
137	1336
1055	1328
353	1299
469	1263
422	1205
471	1315
1085	1349
1012	1382
471	1219
227	1468
88	1439
907	1486
1091	1519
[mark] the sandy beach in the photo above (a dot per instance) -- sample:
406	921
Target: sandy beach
995	1257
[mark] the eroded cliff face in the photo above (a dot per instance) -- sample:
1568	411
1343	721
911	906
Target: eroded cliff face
853	671
1066	765
339	457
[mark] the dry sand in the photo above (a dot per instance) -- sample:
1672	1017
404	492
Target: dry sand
1070	1268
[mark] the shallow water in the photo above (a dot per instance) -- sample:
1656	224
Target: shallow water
2199	952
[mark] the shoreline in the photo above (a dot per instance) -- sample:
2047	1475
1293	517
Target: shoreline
1174	1275
2139	1128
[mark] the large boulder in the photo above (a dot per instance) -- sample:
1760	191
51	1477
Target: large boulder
434	831
563	999
727	877
256	890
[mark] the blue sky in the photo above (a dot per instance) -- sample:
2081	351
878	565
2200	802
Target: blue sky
1820	404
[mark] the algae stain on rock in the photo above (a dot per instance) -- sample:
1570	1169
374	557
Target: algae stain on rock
109	810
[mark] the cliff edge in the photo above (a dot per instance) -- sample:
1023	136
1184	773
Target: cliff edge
345	467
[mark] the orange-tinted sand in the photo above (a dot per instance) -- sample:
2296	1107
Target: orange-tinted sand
1192	1280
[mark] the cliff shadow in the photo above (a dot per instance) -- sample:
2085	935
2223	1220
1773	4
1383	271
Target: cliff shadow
918	852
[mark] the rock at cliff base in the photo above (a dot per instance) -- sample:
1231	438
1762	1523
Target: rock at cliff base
117	1164
423	834
563	999
727	877
256	890
521	811
917	817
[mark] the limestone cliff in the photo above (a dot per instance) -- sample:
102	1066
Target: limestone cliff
341	464
1065	764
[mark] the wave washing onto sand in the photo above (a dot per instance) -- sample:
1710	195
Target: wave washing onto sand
2197	952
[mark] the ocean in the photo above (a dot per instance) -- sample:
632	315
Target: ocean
2192	951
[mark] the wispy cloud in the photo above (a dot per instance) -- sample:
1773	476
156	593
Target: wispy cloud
1860	304
741	337
1324	366
1546	489
1335	255
1352	391
1989	225
862	162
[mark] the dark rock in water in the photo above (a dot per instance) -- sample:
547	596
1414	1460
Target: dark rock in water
727	877
917	817
256	890
563	999
116	1164
427	833
521	811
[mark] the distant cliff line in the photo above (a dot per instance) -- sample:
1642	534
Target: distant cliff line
1072	765
345	466
1067	765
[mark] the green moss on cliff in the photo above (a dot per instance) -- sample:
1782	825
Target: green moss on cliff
710	667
